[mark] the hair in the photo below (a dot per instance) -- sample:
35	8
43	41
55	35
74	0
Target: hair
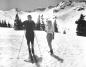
49	22
29	16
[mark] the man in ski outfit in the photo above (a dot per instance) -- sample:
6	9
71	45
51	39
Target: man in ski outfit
29	26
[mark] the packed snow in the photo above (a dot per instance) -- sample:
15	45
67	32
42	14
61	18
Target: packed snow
71	48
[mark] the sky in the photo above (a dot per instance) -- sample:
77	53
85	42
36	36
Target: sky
26	4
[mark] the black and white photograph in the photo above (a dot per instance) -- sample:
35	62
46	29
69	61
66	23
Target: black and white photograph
42	33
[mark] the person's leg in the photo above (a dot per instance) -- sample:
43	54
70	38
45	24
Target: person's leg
29	49
49	39
50	46
32	43
32	46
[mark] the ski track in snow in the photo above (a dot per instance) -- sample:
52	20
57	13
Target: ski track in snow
71	48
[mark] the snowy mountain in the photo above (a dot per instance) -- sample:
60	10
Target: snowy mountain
66	11
8	16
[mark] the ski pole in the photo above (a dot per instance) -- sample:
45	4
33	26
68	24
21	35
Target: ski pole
20	47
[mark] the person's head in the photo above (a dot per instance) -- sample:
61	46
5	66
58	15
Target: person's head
29	17
49	23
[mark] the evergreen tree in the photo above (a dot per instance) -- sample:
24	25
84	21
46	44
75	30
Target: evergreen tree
18	23
55	26
42	26
81	26
4	23
0	23
38	23
42	23
9	25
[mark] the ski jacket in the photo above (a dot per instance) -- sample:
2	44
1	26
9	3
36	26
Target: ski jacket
29	26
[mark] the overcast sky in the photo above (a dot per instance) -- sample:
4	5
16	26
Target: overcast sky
26	4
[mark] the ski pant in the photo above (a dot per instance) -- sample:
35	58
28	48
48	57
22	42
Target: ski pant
49	40
30	38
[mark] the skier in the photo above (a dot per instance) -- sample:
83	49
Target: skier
29	26
50	34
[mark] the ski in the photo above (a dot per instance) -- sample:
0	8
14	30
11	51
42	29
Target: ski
29	61
57	57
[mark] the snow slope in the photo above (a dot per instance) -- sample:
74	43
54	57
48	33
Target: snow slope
69	47
66	17
67	13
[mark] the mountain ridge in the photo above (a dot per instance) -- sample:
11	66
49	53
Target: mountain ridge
59	9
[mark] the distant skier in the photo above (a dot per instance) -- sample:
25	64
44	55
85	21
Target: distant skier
50	34
29	26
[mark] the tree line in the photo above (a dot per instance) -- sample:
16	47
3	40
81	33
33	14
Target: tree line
18	24
39	25
3	23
